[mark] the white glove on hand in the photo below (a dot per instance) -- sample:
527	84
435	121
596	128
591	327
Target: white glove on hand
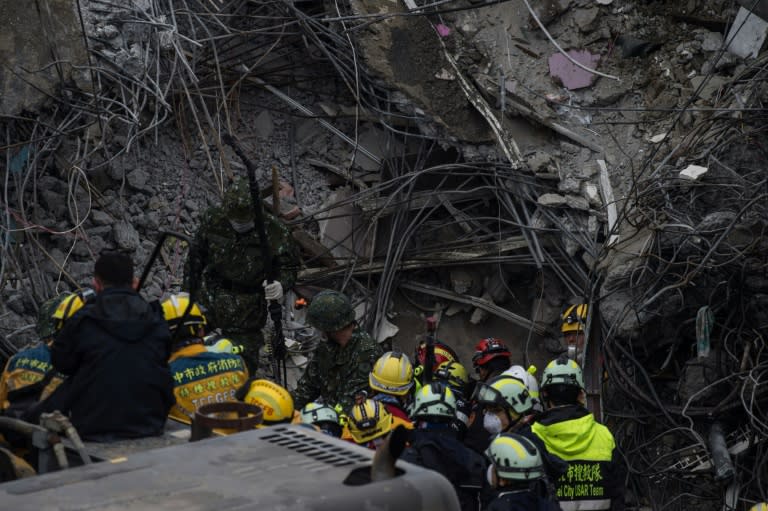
273	291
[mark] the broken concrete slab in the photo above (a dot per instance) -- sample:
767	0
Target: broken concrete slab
757	7
126	236
606	190
569	74
577	202
592	194
710	41
35	36
711	89
569	185
747	34
342	229
586	18
693	172
540	161
551	200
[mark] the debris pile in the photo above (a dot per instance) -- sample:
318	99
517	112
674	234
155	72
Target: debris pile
484	160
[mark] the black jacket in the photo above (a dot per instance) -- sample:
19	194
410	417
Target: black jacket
115	352
442	452
522	501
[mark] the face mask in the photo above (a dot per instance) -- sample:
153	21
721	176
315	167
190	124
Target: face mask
491	423
489	475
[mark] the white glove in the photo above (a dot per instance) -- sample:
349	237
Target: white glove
273	291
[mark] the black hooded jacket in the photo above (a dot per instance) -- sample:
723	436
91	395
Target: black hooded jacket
115	353
441	451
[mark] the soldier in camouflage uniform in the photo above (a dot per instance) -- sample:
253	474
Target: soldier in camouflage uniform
341	366
227	260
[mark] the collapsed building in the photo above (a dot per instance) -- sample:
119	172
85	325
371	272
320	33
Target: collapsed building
487	161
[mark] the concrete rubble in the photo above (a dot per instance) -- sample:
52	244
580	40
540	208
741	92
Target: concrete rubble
452	161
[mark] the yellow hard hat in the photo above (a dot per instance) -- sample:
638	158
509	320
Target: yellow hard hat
217	344
452	373
760	506
274	399
369	420
574	318
173	310
392	374
69	305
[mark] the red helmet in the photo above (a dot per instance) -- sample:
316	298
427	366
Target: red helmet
489	348
443	353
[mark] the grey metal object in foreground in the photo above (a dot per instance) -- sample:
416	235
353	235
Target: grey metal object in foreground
283	467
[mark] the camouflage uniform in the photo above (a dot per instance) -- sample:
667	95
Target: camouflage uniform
231	270
337	373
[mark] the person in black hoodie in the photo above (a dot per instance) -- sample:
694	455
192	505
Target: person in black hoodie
434	444
517	474
115	353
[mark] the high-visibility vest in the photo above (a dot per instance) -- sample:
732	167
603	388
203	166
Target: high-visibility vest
582	487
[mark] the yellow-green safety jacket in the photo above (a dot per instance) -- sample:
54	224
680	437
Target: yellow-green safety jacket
595	477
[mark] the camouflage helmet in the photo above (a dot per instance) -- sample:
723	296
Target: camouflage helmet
330	311
237	204
46	324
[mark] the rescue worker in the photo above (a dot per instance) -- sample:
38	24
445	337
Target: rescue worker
517	474
29	376
323	417
200	376
434	445
228	261
442	353
341	365
505	402
454	375
573	328
527	377
115	353
508	408
391	381
275	401
368	424
491	358
570	432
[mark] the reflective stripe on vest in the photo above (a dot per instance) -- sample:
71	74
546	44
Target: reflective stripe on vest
587	447
584	482
578	505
